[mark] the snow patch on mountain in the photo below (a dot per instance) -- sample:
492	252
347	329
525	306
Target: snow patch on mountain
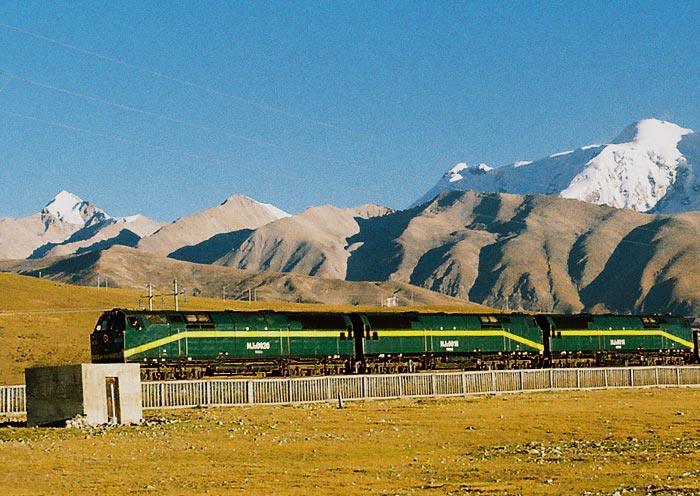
66	206
454	174
131	218
277	212
635	171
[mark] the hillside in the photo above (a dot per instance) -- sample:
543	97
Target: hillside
125	267
236	213
530	252
534	252
313	242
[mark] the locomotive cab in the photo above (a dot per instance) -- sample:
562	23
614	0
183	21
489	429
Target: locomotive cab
107	339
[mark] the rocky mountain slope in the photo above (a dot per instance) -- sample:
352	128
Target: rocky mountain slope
520	252
652	166
531	252
312	243
236	213
126	267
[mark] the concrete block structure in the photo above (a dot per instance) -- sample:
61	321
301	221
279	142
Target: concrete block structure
101	393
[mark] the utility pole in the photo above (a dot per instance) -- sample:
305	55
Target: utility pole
177	305
224	291
150	297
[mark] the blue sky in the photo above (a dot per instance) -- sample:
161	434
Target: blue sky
167	108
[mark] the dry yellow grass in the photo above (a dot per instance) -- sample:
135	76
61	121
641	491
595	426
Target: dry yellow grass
47	323
574	443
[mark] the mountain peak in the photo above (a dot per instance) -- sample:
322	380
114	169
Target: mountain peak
70	209
237	199
66	207
651	130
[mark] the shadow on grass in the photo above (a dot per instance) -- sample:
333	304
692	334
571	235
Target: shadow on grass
12	424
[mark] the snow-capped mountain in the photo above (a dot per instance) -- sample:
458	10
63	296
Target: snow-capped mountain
68	208
68	224
652	166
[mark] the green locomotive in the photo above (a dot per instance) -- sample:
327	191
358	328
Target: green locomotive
618	339
190	344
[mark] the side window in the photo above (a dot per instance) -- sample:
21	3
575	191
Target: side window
175	318
134	323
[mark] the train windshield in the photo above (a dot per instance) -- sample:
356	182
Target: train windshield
111	322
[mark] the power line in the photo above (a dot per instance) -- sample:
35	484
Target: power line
114	137
130	108
8	313
166	117
190	84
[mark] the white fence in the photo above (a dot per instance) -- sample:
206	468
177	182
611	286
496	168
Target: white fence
362	387
225	392
12	400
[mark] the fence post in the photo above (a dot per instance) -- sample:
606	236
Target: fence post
522	383
551	378
631	377
251	392
464	383
365	387
161	393
208	383
329	389
578	378
433	384
656	375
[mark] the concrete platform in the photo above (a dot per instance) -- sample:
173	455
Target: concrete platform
101	393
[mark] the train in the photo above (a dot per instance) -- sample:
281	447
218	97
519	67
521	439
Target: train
191	344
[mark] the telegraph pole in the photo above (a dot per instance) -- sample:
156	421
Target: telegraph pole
177	305
150	297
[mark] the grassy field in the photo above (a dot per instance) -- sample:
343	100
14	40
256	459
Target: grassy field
574	443
598	442
47	323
